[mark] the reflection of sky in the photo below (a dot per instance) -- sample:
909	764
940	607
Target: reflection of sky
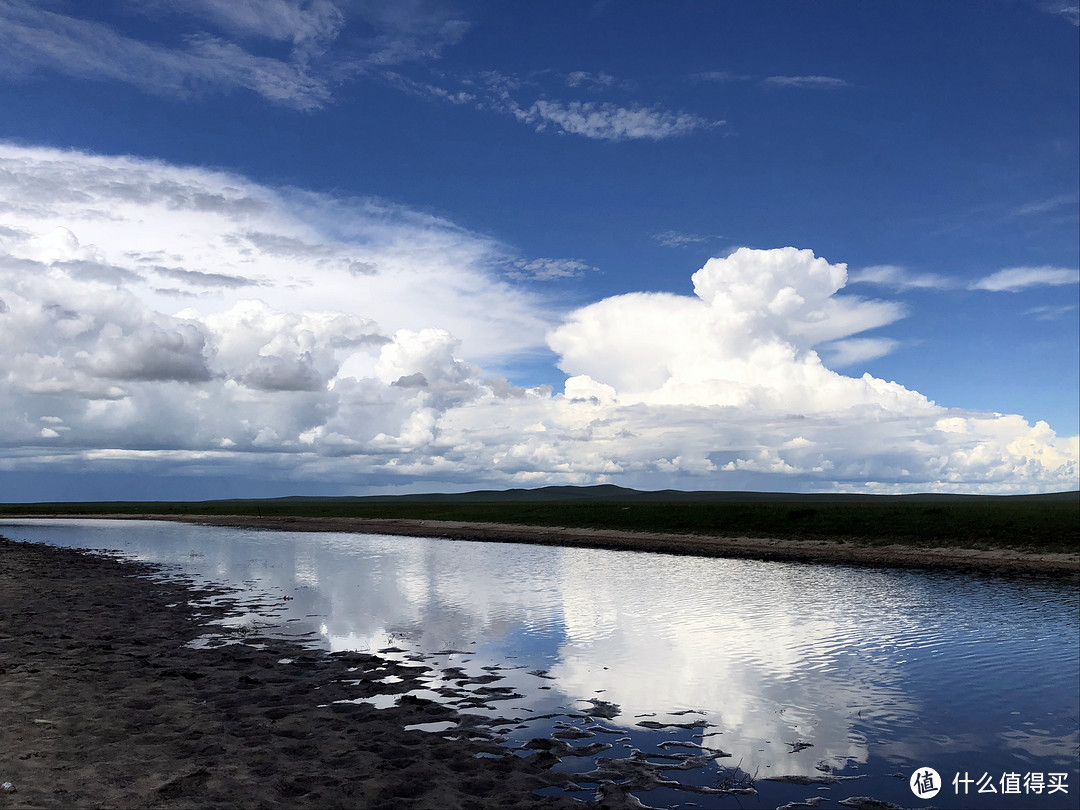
734	646
911	668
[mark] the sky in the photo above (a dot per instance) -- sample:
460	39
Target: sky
344	247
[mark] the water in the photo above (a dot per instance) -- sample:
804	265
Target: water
796	670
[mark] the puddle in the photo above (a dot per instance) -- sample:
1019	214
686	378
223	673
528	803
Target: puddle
433	728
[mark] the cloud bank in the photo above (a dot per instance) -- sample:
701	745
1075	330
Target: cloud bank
169	320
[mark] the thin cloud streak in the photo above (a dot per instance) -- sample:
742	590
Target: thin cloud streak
596	120
549	269
590	81
1066	9
1046	206
816	82
672	238
1015	279
1012	279
808	82
1050	313
606	121
901	279
719	76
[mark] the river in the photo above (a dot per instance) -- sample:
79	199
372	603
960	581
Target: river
837	681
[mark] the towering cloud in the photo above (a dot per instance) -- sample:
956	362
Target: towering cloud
746	340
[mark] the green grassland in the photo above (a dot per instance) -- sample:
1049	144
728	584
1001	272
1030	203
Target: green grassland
1038	523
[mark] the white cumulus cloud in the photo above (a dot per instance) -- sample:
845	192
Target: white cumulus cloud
746	339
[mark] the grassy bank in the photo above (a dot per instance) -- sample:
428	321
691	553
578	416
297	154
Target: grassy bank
1039	523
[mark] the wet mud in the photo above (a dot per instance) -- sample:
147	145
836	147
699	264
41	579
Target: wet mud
103	703
121	687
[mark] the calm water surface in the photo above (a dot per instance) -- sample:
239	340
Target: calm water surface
796	670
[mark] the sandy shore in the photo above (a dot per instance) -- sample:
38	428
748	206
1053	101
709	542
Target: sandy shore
1004	561
103	705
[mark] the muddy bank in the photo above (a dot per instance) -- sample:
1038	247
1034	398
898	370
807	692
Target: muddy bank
103	705
1004	561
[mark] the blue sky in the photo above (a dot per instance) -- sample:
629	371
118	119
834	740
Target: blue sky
309	198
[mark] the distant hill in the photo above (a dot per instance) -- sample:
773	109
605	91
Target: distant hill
609	493
1045	523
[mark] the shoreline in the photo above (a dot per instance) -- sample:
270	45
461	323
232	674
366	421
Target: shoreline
104	703
844	552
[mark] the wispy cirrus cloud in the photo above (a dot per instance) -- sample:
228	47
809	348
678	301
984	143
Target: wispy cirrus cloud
309	28
813	82
593	119
34	40
1045	206
1050	313
672	238
607	121
221	52
589	81
1066	9
900	278
548	269
809	82
597	120
720	76
326	42
1015	279
1012	279
428	90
